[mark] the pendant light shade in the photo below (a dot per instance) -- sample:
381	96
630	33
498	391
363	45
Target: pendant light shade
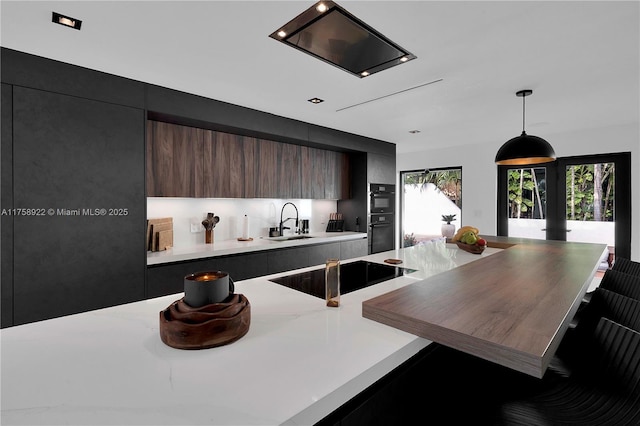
525	149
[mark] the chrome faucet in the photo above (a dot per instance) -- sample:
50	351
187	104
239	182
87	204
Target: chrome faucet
282	228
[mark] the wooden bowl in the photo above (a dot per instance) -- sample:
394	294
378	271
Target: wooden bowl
217	324
471	248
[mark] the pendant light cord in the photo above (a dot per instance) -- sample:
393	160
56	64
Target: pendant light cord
523	113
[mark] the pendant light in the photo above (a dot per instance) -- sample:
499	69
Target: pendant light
525	149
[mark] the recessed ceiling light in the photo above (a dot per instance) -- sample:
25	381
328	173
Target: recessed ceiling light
65	20
328	32
316	100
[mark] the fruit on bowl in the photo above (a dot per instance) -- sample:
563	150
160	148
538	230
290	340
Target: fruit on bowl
467	239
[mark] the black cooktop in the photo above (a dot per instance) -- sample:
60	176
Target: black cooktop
353	276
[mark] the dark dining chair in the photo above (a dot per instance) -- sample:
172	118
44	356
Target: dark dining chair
627	266
622	283
605	390
604	303
612	280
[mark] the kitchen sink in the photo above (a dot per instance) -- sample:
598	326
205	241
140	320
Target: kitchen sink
289	238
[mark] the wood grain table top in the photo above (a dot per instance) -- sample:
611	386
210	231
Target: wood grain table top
511	308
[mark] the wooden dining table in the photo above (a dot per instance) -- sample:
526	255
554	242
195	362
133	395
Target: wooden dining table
512	308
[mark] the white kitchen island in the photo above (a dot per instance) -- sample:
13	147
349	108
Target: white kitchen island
299	361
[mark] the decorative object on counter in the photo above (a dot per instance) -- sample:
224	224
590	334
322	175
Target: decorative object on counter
336	223
204	288
525	149
216	324
467	239
159	234
305	226
471	248
245	239
209	223
332	282
274	232
448	229
393	261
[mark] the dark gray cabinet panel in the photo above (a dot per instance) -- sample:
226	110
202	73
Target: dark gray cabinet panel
318	254
355	207
354	248
6	155
168	278
287	259
381	168
82	162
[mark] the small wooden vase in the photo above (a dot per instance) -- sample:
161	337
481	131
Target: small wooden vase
208	236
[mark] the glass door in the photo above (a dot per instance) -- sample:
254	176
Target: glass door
527	202
580	199
427	197
590	200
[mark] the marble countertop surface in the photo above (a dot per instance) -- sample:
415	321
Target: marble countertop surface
227	247
299	361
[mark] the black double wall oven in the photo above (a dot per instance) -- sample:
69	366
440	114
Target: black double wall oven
381	232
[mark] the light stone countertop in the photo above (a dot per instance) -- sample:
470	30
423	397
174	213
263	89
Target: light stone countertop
227	247
299	361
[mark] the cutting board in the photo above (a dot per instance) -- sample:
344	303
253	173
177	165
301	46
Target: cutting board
165	240
154	226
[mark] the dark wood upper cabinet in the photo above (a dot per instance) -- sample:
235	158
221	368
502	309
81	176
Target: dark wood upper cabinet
223	165
324	174
269	157
175	160
251	161
190	162
289	171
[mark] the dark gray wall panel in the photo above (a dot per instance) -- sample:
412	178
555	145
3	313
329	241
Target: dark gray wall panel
349	141
188	109
6	248
22	69
72	153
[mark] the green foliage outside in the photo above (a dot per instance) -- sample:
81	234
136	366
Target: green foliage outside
448	181
589	197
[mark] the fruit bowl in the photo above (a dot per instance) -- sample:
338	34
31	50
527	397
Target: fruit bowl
471	248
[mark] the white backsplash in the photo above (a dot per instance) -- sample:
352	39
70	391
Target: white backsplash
262	213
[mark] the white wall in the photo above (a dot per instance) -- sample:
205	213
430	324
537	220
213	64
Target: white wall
479	172
262	213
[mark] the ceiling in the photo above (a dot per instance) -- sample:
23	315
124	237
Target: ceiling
580	58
